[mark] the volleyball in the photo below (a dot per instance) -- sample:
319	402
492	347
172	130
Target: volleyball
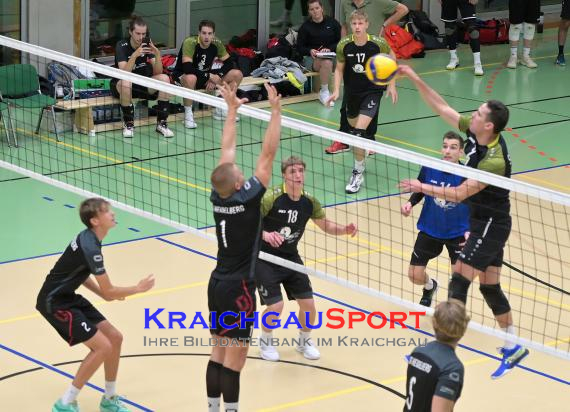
381	69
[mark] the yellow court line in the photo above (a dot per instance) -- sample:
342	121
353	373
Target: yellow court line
544	182
120	162
103	302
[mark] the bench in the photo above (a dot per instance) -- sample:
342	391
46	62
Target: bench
84	122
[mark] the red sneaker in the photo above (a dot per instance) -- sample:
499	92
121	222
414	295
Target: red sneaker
337	147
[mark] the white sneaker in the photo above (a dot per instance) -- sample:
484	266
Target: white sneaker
128	130
268	352
189	122
308	349
324	96
513	61
356	179
528	62
163	129
220	114
453	63
478	69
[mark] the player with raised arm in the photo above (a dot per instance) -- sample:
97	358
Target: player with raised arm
237	213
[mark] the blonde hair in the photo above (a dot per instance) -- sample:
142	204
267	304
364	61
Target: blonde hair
292	161
450	321
358	14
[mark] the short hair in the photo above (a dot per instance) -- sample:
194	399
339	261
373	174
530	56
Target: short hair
223	179
498	115
314	1
292	161
207	23
136	20
450	321
90	208
358	14
451	135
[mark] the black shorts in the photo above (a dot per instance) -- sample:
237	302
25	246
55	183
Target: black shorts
486	242
565	14
526	11
367	104
75	323
449	10
270	277
200	83
427	247
137	91
233	295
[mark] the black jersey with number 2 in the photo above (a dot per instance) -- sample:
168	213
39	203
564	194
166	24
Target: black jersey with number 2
238	228
433	369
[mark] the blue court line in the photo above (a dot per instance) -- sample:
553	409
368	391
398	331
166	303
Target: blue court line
67	375
69	206
134	229
480	352
49	199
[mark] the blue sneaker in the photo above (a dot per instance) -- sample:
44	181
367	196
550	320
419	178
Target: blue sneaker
561	60
112	404
60	407
511	358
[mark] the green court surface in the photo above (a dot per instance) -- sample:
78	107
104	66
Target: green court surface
40	219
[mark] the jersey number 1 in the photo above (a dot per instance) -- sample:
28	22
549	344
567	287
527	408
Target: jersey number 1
223	233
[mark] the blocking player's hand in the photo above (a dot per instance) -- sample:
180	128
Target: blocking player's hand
145	284
410	185
275	239
406	71
392	92
273	97
333	98
351	229
406	209
228	92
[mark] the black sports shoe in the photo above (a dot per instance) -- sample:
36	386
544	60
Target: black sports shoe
427	295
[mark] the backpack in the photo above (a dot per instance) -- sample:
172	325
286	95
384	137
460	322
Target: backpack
61	76
402	42
493	31
423	23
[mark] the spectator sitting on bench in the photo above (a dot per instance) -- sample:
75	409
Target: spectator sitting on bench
139	55
194	67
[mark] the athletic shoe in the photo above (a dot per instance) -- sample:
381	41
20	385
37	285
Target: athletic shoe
337	147
60	407
324	95
528	62
220	114
355	181
478	69
453	63
511	358
427	295
513	61
112	404
308	349
128	130
189	122
560	60
163	129
268	352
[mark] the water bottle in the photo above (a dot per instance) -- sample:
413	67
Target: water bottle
540	23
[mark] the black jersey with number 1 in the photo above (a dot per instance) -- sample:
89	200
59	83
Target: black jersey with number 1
238	228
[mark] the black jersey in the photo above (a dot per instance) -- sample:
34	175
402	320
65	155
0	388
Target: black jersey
433	369
143	64
202	58
81	258
288	217
355	58
238	228
492	201
312	35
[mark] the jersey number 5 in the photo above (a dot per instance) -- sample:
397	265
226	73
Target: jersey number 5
410	398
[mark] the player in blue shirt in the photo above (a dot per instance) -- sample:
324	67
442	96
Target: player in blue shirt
441	223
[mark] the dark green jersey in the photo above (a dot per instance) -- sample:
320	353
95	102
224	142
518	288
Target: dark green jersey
494	158
288	217
202	58
355	58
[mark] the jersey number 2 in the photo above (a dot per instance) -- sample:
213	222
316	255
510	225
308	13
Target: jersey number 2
223	233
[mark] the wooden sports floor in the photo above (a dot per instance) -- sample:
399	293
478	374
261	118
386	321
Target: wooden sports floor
39	220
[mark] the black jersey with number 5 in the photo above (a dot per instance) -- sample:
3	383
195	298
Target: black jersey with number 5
238	228
433	369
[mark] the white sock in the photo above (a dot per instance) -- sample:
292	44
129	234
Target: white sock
526	51
477	58
359	166
213	404
304	337
429	283
325	87
266	336
70	395
231	406
110	389
453	54
514	51
511	330
188	111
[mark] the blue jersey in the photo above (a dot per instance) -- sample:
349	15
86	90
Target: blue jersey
439	218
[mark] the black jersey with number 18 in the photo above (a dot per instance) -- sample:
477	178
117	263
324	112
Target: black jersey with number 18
238	229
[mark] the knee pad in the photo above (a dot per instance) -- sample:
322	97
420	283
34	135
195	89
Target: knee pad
450	28
473	32
495	298
458	287
528	31
515	32
358	132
